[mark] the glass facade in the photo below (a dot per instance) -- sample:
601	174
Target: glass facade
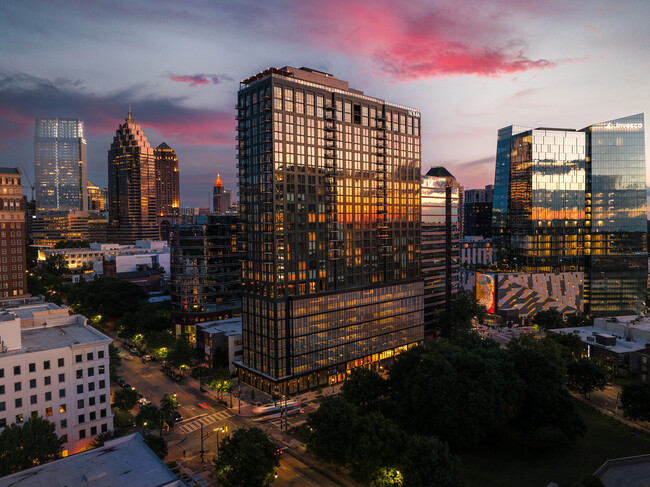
205	271
574	200
617	263
60	164
477	212
330	201
441	200
167	181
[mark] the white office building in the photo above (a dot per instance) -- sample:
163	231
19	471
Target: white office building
54	365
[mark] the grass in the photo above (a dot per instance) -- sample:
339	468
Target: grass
502	466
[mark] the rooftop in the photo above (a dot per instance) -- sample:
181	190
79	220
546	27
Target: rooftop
71	331
26	311
585	332
122	461
228	326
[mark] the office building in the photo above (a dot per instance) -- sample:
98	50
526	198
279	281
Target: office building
329	184
477	212
205	271
60	164
95	197
55	366
221	198
167	185
131	185
13	266
50	227
476	251
575	200
219	343
441	204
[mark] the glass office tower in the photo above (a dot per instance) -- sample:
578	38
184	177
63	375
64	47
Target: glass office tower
167	181
329	182
574	200
441	217
60	164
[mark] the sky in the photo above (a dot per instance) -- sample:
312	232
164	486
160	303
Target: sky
470	67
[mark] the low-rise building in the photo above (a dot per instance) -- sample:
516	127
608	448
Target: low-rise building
53	365
222	337
122	461
476	250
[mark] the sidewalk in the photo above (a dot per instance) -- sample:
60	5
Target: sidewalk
601	402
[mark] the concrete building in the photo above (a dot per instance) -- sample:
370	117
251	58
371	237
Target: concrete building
131	185
50	227
56	366
150	253
329	184
126	460
477	250
13	266
60	164
95	197
221	339
441	198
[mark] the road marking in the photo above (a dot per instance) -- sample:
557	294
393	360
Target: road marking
205	421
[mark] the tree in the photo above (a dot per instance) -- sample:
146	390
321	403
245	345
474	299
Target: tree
220	385
635	399
33	443
56	265
570	342
168	406
589	481
333	430
114	361
428	462
578	319
585	375
149	417
157	445
107	298
462	308
364	387
387	477
547	403
247	458
125	399
458	392
181	354
549	319
72	244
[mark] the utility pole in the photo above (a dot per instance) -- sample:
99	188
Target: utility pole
239	395
201	442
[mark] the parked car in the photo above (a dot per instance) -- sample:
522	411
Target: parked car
126	385
146	358
177	416
121	382
142	399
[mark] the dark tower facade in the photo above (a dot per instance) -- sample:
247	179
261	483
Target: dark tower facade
167	181
329	183
13	266
131	185
217	193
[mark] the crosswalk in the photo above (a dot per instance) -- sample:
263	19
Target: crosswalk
205	421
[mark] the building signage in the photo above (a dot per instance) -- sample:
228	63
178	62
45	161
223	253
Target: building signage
615	126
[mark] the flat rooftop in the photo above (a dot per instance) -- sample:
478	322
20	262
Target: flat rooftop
122	461
26	311
622	346
227	326
42	338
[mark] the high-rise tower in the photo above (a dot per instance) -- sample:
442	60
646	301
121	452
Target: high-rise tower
131	185
60	164
217	193
329	182
575	200
13	266
167	184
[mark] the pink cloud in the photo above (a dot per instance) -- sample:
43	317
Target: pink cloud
409	41
197	79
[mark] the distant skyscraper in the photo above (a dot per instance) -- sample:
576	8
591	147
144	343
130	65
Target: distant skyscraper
131	185
13	267
441	203
167	185
217	191
329	182
95	197
60	164
477	212
575	200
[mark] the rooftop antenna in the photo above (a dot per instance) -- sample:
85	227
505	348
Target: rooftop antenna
129	118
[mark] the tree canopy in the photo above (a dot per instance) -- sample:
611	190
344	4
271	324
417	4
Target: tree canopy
125	399
549	319
635	399
149	416
29	445
107	297
364	388
585	376
246	458
168	406
180	354
428	462
157	445
462	308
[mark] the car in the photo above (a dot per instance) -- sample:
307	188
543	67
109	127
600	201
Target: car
121	382
177	416
126	385
142	399
146	358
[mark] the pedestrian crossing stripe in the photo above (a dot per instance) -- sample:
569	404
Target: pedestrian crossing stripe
205	421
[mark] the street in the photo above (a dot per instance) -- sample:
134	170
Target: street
202	414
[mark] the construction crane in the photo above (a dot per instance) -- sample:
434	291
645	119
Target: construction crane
32	186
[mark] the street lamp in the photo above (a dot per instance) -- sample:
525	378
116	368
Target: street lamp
223	429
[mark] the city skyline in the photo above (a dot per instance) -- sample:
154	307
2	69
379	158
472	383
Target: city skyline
492	72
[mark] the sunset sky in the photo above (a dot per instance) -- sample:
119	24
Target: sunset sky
469	67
